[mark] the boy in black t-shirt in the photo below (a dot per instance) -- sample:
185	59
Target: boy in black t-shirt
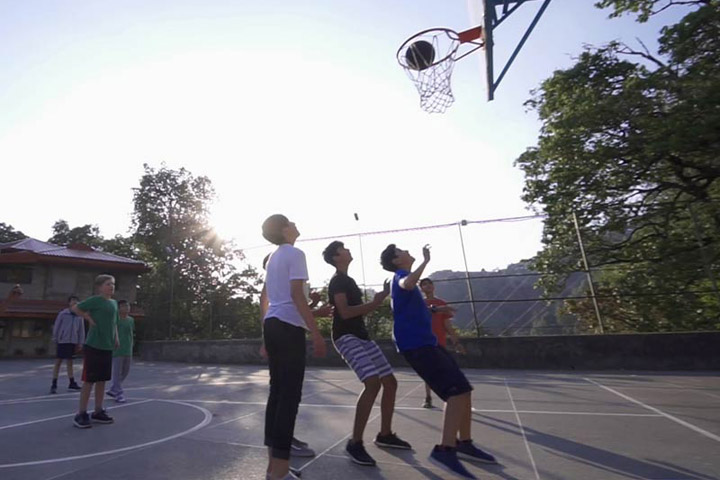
352	342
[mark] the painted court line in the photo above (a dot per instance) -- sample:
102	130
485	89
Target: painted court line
522	431
65	416
373	418
203	423
658	411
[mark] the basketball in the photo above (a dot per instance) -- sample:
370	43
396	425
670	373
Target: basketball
420	55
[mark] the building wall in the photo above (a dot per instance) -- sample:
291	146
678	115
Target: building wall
33	337
58	282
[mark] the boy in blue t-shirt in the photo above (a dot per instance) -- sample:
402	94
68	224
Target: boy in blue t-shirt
412	332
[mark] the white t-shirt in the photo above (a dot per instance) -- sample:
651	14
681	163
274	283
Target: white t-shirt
286	263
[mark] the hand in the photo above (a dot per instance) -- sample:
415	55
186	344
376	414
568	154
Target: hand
263	351
426	253
319	348
315	296
90	320
460	349
380	296
78	348
324	311
117	343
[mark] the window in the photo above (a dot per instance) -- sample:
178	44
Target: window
22	275
28	328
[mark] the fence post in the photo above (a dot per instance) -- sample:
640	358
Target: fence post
467	278
703	252
588	273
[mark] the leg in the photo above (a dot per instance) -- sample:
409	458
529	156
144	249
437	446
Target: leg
85	396
71	374
365	403
99	396
115	387
464	432
454	413
387	404
56	369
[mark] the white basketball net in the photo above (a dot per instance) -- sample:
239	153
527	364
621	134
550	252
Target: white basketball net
434	82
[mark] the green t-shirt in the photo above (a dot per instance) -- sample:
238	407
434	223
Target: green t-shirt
126	327
104	313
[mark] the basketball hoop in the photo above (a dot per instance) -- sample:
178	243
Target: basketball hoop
428	58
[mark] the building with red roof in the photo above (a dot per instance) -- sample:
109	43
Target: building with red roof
47	274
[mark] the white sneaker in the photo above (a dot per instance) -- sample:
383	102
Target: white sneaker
120	399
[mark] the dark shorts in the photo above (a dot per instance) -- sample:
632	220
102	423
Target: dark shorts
439	369
65	350
97	365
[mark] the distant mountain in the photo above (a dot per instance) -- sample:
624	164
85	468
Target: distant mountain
506	301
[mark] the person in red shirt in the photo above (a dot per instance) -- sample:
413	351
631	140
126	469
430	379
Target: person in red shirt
442	315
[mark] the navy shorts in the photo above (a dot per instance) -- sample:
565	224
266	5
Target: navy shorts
97	364
65	350
439	369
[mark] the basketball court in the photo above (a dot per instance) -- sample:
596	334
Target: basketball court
186	421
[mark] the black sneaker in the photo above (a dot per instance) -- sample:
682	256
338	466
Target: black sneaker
101	417
467	450
53	389
82	420
296	472
391	441
357	453
427	403
110	394
74	386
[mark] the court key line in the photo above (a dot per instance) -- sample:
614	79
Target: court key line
204	422
675	419
64	416
522	431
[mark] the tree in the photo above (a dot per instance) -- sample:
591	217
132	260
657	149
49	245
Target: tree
645	8
9	234
632	148
87	234
195	288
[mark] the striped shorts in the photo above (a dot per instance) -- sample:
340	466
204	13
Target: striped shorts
363	356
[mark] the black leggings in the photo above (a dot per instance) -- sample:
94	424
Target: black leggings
285	345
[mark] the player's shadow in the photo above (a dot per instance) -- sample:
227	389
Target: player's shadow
592	456
409	457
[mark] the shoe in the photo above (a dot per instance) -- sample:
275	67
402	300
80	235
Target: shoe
101	417
466	450
110	394
427	403
82	420
299	443
448	461
357	453
74	386
293	473
120	399
391	441
300	449
53	389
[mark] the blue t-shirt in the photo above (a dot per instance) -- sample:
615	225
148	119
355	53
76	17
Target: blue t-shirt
412	327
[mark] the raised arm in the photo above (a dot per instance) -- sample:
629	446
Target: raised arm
345	311
409	282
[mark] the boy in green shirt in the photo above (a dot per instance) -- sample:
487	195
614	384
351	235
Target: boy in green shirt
101	312
122	356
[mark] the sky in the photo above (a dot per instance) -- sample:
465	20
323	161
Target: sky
296	107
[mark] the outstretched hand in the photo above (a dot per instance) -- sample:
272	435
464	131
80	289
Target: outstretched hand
426	253
380	296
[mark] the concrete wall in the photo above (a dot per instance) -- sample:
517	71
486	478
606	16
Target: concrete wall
655	351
